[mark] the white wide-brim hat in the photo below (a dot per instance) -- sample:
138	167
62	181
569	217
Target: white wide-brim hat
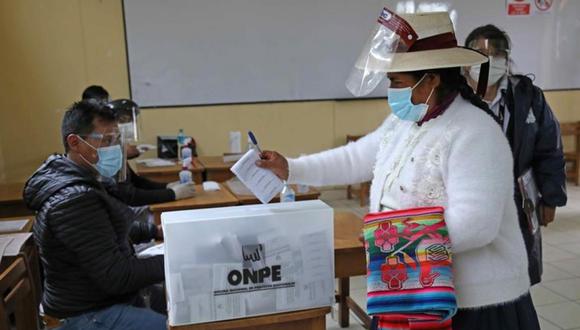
406	43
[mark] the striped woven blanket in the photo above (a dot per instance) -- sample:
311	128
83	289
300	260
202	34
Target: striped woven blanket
409	278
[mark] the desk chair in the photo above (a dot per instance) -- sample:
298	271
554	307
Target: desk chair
18	297
364	189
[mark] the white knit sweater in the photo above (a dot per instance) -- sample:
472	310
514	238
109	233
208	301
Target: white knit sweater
459	160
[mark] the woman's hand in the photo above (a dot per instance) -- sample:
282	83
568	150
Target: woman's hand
275	162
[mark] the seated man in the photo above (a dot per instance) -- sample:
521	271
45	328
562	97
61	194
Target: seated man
137	190
91	276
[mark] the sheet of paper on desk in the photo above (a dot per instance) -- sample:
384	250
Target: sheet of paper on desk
4	242
263	183
155	250
16	243
10	226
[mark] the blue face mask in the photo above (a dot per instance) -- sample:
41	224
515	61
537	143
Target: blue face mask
110	160
401	105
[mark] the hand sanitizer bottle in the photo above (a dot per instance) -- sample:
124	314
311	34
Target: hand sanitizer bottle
287	194
185	175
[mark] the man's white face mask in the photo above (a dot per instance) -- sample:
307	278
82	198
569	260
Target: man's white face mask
497	69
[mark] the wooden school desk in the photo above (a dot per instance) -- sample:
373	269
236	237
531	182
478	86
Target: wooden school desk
349	260
202	199
251	199
169	173
29	252
216	169
310	319
11	201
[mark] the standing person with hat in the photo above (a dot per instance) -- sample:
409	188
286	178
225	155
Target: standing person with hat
438	148
532	131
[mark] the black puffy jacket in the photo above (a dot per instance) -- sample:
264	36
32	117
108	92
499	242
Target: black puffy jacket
139	191
82	234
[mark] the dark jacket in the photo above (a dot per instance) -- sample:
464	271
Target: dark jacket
537	142
534	135
139	191
82	234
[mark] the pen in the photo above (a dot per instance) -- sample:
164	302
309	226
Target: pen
254	141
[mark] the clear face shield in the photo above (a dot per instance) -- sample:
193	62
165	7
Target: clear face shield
391	35
127	113
499	60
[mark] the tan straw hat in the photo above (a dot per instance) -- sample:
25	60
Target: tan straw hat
410	42
432	45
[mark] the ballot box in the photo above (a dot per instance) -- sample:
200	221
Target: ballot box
241	261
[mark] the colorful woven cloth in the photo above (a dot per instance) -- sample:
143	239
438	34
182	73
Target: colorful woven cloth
409	278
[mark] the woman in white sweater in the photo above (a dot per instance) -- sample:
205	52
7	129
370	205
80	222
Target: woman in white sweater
440	147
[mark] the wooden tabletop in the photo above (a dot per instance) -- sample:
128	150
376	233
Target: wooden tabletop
310	319
216	169
349	253
214	163
311	194
27	228
11	192
173	169
202	199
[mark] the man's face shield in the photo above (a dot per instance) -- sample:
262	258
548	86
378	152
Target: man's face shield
127	113
391	35
101	140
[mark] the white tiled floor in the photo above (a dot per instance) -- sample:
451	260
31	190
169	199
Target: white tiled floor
557	298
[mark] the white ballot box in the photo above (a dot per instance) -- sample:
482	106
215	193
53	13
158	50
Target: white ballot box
235	262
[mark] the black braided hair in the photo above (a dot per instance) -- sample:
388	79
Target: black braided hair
453	81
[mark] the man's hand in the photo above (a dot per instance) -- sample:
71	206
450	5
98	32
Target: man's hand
159	235
548	214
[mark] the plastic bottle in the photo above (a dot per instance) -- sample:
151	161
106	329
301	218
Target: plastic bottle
287	194
186	151
180	142
185	175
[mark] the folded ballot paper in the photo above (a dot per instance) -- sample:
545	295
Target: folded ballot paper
263	183
242	261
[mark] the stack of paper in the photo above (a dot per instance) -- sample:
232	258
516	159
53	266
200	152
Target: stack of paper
13	226
11	244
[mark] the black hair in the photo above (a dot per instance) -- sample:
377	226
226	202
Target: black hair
453	81
96	92
79	117
498	38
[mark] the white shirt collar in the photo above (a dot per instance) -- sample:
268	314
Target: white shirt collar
502	87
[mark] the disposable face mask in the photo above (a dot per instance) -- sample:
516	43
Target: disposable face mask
110	160
403	107
497	69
